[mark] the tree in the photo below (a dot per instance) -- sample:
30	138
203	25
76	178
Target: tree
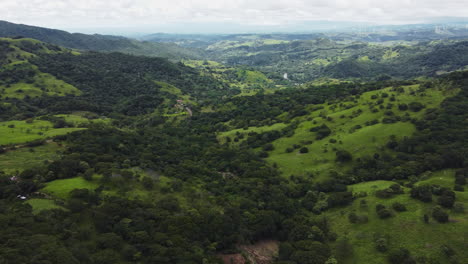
426	218
447	199
352	217
343	156
440	215
268	147
147	182
285	250
304	150
381	244
382	211
399	256
399	207
422	193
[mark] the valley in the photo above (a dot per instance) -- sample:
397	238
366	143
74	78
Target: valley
197	149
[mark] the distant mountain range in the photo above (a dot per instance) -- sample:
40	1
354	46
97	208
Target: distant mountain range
104	43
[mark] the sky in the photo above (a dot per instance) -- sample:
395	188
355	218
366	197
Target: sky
198	16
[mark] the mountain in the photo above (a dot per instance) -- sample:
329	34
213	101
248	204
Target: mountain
96	42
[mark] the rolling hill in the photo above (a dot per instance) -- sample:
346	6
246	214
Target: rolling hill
103	43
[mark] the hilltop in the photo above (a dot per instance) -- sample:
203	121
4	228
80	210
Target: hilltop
96	42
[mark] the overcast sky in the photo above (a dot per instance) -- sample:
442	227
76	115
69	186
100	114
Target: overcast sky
198	15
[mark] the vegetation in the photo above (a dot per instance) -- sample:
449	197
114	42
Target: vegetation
151	161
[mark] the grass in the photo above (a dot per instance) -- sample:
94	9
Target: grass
232	133
39	205
28	158
321	156
347	120
41	83
405	229
342	119
62	188
44	84
17	132
78	120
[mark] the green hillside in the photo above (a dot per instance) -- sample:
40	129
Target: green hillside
114	158
403	229
103	43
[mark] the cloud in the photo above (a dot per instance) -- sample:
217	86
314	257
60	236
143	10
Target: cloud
134	13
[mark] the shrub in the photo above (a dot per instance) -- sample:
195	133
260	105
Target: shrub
352	217
322	131
399	256
399	207
439	214
382	211
447	199
381	244
343	156
422	193
415	106
268	147
304	150
403	107
362	219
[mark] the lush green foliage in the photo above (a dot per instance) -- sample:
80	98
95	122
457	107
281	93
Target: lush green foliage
355	172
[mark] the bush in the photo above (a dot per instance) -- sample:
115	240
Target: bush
363	219
381	244
322	131
382	211
447	199
343	156
422	193
148	183
439	215
399	207
415	106
268	147
399	256
304	150
403	107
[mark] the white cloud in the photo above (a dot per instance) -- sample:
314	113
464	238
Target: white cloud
134	13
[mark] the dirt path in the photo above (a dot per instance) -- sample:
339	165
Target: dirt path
262	252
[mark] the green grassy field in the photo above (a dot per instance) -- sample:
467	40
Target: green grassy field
44	84
39	205
248	81
28	158
232	133
41	83
17	132
79	119
62	188
347	121
356	126
404	229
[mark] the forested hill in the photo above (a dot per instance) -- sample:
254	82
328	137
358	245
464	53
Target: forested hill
38	72
96	42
